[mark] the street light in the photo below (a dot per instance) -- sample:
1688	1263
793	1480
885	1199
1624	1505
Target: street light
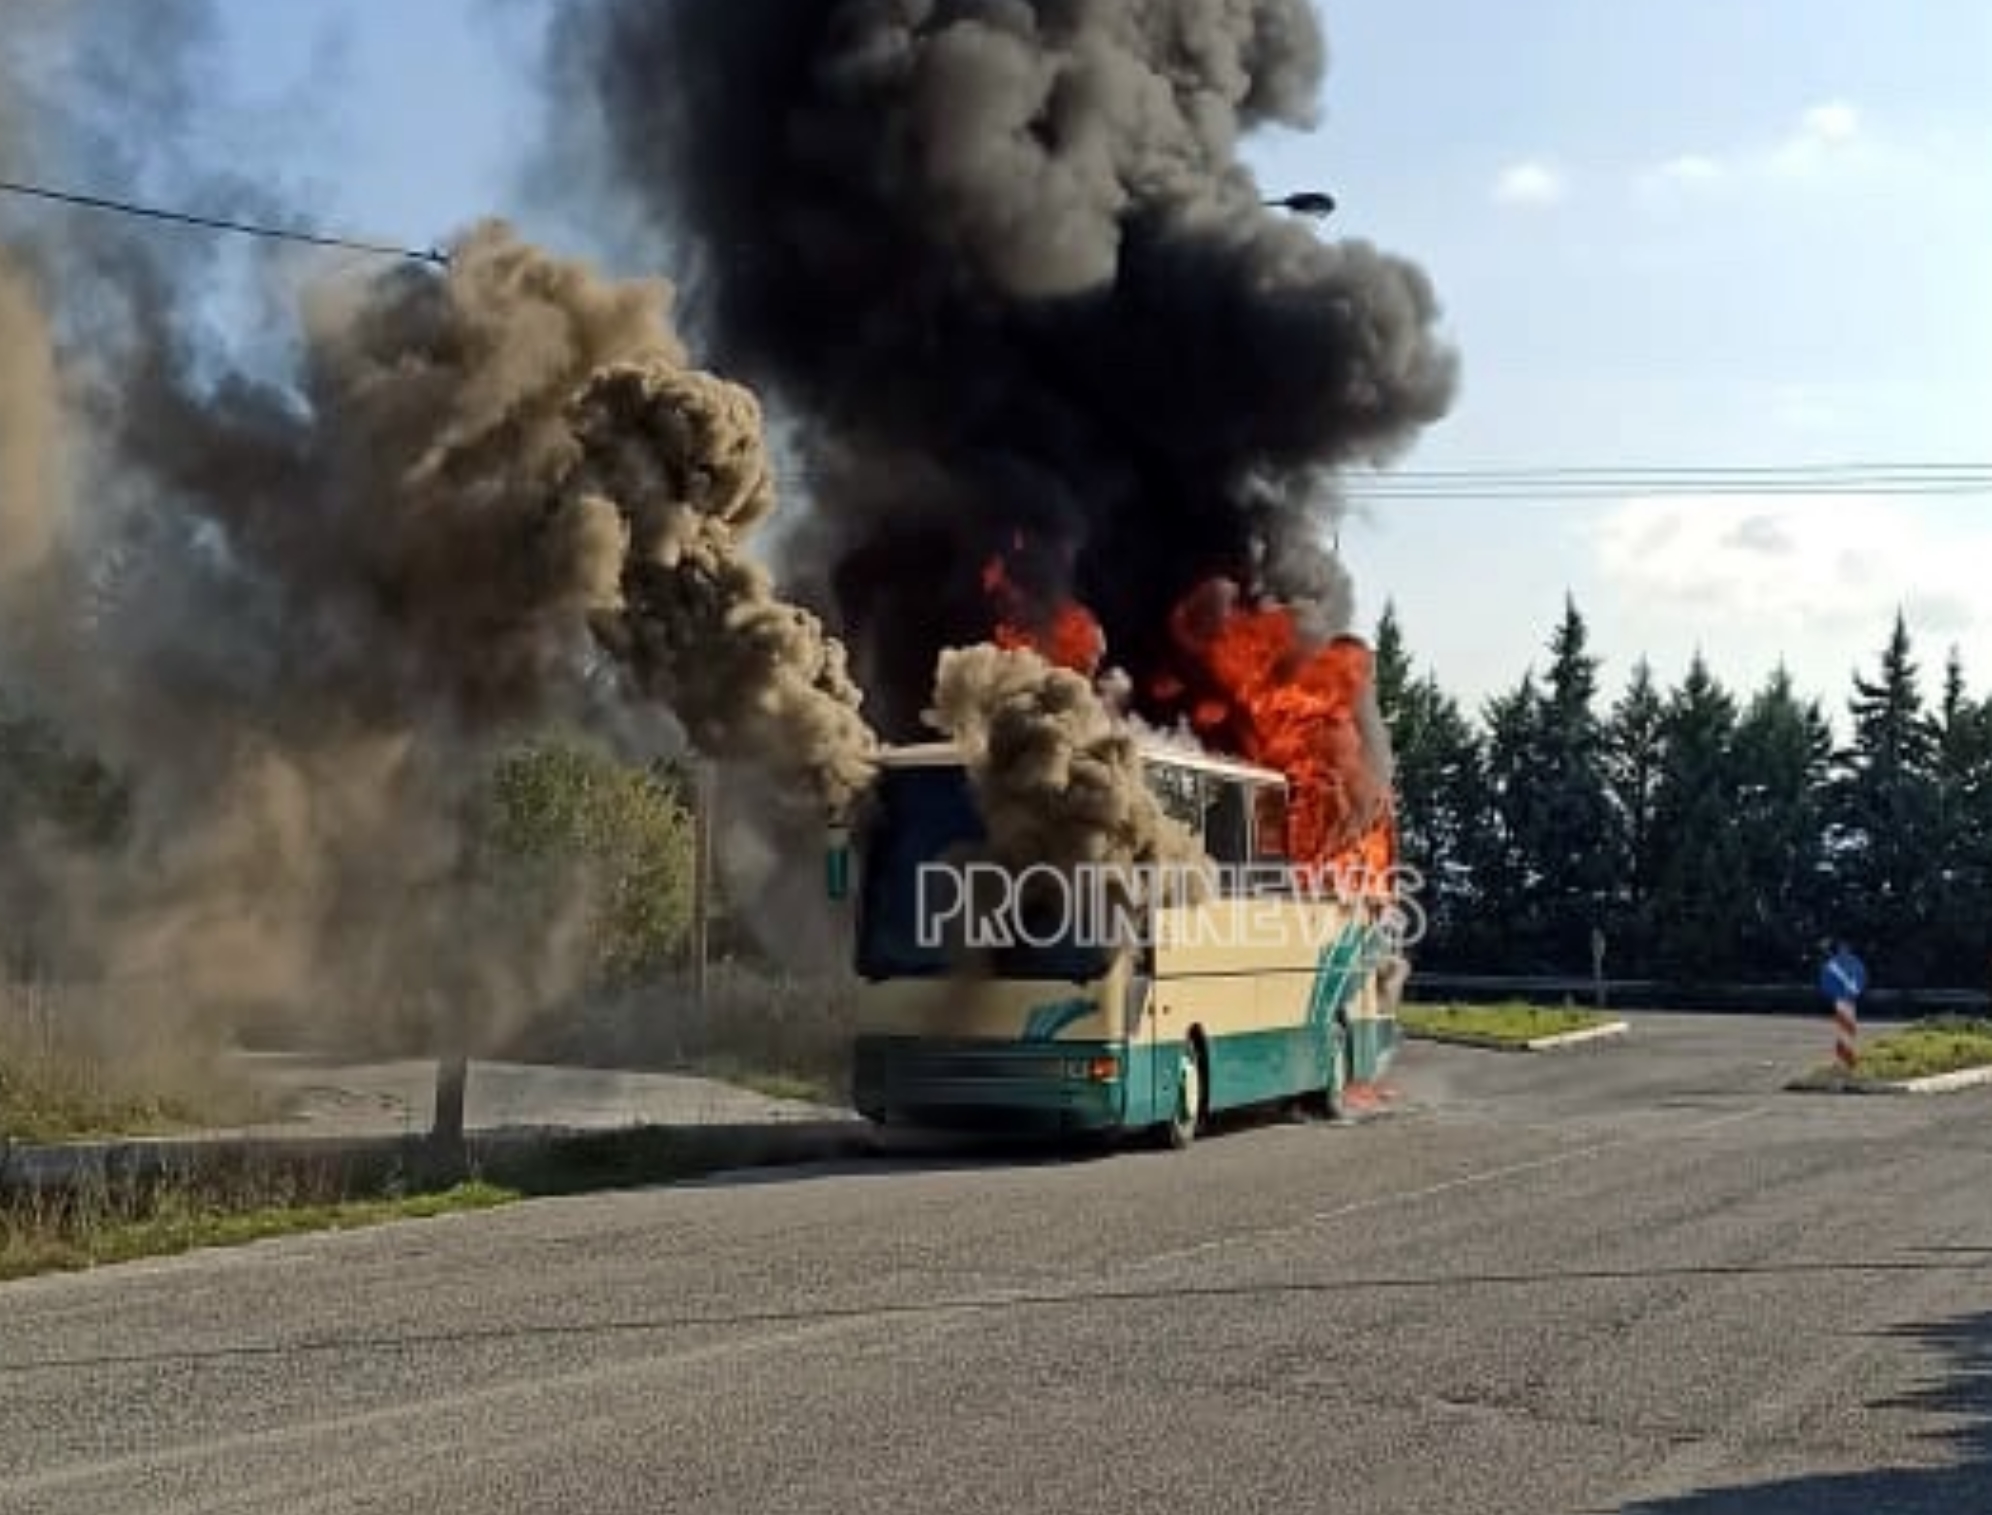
1306	202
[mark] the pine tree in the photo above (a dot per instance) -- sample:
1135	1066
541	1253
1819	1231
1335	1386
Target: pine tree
1784	753
1507	877
1697	884
1393	666
1886	819
1634	754
1439	788
1961	949
1442	791
1567	829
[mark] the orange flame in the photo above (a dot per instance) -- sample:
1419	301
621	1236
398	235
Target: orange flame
1266	695
1068	635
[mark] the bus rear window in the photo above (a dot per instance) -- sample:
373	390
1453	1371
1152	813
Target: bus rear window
923	816
919	816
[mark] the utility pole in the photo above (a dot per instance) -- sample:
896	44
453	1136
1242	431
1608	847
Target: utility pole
448	1150
708	791
446	1134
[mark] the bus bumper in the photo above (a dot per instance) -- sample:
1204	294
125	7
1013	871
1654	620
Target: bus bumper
1076	1086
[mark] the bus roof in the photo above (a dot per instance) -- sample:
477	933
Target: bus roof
1160	752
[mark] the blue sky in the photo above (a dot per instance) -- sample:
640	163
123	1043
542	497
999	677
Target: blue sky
1697	234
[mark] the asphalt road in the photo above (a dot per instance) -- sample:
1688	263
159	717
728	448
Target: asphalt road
1629	1279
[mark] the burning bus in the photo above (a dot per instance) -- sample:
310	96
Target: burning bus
1250	982
1241	948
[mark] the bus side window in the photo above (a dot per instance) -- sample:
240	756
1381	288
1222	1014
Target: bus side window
1270	825
1181	795
1227	829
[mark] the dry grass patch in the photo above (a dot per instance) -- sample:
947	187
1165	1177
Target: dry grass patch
1927	1049
100	1060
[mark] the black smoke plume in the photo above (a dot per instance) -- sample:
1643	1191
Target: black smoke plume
1001	261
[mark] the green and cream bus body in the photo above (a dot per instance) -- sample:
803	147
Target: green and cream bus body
1258	994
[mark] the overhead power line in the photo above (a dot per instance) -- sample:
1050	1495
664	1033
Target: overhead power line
1635	470
1614	472
1552	483
118	207
1523	491
1521	497
1565	482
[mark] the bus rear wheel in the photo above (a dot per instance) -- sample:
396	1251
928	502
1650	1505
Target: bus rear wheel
1187	1117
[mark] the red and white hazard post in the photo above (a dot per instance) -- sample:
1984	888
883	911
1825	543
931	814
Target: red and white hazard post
1842	980
1846	1034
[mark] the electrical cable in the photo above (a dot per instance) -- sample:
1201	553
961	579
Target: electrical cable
113	206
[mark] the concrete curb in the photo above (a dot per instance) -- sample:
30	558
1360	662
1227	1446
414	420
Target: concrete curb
1949	1083
691	1151
1935	1083
1556	1043
1608	1032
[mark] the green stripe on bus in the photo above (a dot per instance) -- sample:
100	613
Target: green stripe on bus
1336	977
1046	1021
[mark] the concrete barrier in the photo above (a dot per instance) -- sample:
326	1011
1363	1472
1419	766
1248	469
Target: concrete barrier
664	1152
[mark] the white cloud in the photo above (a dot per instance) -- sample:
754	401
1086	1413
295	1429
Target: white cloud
1761	533
1835	121
1940	615
1778	572
1530	182
1690	169
1811	583
1826	139
1826	143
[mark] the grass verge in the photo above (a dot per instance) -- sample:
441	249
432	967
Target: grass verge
236	1195
1927	1049
97	1224
1508	1025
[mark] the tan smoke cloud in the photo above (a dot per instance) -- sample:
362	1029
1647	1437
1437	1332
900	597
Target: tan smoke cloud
680	457
1058	779
28	425
303	620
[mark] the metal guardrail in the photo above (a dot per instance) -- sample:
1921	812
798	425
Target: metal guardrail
1668	994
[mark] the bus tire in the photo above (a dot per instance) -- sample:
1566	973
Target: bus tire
1187	1118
